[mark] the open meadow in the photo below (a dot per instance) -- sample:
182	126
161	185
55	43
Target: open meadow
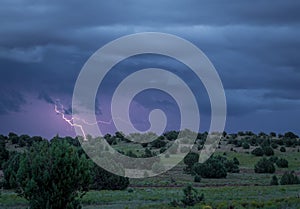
242	189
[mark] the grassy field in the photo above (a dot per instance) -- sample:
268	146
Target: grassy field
217	197
238	190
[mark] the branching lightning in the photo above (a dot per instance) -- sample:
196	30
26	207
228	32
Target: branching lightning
70	121
60	110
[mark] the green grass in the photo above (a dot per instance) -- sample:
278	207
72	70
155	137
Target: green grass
247	161
160	197
9	199
242	190
252	196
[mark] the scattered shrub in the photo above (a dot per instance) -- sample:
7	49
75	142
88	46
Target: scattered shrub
264	166
162	150
258	152
290	135
158	143
238	143
273	159
236	161
103	179
268	151
147	153
231	167
246	145
289	178
282	149
274	180
212	168
130	153
130	190
144	145
191	196
282	163
274	145
190	159
197	178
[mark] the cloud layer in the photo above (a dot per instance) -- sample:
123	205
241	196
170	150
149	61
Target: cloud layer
253	45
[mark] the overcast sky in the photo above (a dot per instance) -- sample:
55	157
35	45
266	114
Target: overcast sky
254	46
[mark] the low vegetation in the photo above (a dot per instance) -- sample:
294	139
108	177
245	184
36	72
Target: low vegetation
264	165
38	173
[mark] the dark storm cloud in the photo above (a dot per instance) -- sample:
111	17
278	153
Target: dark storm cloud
254	46
68	111
62	22
281	94
244	102
27	55
44	96
10	101
56	73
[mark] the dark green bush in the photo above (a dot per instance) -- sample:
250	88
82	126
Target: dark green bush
130	153
282	149
290	135
190	159
239	143
268	151
258	152
130	190
13	138
158	143
236	161
231	167
265	143
148	153
197	178
104	180
264	166
171	135
273	159
289	178
191	196
144	145
162	150
282	163
274	180
274	145
280	142
246	145
213	168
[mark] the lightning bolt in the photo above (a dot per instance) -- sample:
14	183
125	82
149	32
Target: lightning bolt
60	110
70	121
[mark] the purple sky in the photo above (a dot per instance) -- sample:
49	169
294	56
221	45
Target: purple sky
254	47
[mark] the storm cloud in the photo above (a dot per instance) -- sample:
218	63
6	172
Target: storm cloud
253	45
